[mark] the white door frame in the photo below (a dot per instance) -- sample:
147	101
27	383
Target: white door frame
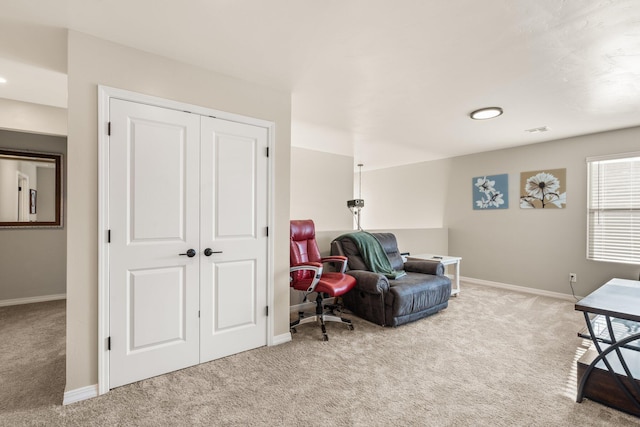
105	94
23	197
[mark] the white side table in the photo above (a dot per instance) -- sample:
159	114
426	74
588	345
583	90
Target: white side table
445	260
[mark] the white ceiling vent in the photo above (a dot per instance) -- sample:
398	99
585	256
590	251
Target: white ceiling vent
538	130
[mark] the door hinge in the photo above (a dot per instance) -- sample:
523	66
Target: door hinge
109	128
198	313
267	311
267	231
108	236
109	343
267	151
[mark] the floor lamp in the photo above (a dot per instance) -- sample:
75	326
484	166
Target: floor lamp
356	205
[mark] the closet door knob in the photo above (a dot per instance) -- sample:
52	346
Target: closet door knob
208	252
190	253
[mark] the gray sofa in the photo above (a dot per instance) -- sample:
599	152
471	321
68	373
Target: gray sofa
424	290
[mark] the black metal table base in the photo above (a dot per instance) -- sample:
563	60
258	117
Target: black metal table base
614	346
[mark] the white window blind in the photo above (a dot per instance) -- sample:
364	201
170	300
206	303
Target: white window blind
613	223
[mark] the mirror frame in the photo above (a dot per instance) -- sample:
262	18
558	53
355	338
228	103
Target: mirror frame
57	158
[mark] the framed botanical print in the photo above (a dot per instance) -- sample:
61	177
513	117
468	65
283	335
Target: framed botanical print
543	189
491	192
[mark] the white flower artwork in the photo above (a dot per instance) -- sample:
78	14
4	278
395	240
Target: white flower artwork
490	192
543	189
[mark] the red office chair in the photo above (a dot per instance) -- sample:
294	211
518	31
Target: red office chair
307	275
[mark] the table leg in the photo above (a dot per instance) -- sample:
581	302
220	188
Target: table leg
456	280
602	353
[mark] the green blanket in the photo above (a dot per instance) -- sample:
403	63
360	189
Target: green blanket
373	254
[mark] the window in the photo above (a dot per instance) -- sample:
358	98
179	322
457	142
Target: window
613	222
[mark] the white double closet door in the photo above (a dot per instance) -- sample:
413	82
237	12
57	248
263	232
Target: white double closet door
181	183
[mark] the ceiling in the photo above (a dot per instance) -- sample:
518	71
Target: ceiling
398	77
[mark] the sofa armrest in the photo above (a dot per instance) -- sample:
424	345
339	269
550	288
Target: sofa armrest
369	282
340	261
425	267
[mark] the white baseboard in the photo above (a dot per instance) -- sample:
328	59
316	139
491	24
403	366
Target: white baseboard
30	300
79	394
281	339
516	288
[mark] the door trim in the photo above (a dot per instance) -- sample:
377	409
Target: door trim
105	94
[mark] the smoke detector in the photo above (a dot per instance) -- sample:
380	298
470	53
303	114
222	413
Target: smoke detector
538	130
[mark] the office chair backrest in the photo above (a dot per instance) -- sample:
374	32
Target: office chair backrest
304	247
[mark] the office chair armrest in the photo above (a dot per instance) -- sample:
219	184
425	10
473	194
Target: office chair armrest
316	267
370	282
340	260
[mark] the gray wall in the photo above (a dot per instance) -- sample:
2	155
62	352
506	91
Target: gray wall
532	247
46	194
34	118
9	203
405	197
33	261
523	247
321	184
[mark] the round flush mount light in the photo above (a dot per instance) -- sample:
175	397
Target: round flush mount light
2	80
486	113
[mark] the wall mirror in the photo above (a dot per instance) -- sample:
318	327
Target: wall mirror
30	189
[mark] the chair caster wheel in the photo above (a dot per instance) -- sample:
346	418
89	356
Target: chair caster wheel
325	338
294	330
350	327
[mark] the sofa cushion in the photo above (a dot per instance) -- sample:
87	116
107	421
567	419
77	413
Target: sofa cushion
413	293
390	246
350	250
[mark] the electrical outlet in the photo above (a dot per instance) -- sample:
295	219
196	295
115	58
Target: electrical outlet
573	277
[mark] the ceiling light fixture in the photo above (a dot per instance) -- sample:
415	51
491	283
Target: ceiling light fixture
486	113
2	80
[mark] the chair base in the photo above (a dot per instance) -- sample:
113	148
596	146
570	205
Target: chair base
325	312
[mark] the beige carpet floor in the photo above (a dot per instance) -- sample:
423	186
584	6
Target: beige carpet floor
32	356
493	358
